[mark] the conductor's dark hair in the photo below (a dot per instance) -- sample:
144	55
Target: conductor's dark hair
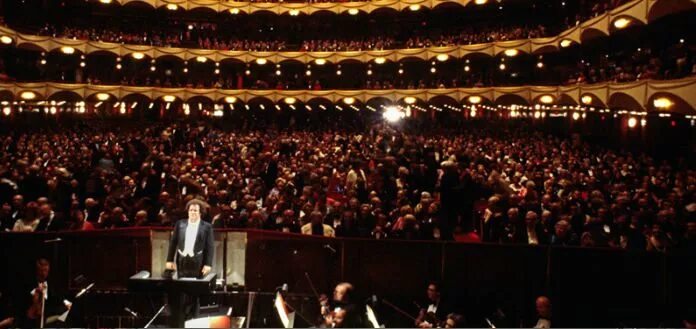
202	206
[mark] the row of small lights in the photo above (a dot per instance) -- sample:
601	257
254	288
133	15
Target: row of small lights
68	50
515	111
320	61
661	103
262	61
231	100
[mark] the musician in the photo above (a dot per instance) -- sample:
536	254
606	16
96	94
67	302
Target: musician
192	243
543	309
342	311
435	310
39	298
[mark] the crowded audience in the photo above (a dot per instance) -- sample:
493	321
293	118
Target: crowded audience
592	8
375	43
259	36
676	61
194	35
210	36
491	183
470	36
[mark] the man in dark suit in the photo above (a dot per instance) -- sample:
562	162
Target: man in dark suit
437	308
342	311
192	243
49	221
30	293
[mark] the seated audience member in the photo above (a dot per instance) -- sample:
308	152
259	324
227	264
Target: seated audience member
316	226
563	235
30	220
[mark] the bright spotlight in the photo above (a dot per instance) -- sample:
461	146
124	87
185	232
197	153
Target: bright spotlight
393	114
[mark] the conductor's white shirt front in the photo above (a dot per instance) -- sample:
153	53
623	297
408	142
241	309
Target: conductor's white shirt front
190	241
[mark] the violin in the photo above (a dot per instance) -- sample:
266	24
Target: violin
429	317
326	314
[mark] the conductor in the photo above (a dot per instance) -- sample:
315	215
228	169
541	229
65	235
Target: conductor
192	243
192	247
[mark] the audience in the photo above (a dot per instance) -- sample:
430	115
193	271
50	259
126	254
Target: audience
260	37
676	61
376	183
208	36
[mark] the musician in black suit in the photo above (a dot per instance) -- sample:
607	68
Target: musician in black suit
29	295
437	308
192	243
342	311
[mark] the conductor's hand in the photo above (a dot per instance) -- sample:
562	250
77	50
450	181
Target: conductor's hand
206	269
170	266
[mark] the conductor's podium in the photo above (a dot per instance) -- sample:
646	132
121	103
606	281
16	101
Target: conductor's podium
175	288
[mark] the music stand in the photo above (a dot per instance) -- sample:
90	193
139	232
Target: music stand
173	287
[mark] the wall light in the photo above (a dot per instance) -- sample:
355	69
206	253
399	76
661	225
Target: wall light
663	103
511	52
67	50
622	23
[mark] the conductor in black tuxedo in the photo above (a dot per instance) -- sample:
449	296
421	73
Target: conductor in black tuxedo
192	246
192	243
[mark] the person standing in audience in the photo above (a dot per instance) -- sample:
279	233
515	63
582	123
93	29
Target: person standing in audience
18	207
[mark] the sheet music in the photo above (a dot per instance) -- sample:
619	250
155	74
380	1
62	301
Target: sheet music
63	316
288	319
291	320
371	317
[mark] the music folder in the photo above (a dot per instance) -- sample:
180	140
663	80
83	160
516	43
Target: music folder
372	317
287	318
